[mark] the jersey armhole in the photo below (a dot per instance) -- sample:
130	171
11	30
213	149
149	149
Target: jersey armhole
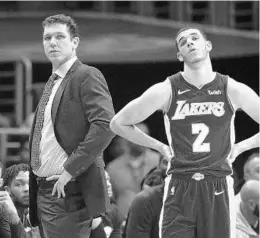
168	105
232	107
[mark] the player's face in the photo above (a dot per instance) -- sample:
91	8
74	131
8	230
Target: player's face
19	188
192	46
58	44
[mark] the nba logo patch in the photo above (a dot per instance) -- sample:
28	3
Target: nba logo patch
172	192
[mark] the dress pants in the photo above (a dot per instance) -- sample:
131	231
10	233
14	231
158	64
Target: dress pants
64	217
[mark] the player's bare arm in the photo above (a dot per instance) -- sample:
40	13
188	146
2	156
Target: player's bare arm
157	97
243	97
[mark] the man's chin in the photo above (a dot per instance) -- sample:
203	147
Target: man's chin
55	58
25	204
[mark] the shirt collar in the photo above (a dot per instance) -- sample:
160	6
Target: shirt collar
64	68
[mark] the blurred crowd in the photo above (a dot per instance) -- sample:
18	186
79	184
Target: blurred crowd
135	181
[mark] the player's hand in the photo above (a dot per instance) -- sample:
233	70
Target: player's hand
236	151
7	202
62	180
166	152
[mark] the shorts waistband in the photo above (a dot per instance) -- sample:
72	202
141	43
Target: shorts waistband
197	177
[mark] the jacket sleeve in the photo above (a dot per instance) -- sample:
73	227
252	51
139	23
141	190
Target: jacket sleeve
98	107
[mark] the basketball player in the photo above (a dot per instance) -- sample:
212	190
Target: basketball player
199	106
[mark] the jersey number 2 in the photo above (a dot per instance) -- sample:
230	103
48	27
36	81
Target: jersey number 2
202	130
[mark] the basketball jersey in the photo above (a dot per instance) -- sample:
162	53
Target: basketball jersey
200	127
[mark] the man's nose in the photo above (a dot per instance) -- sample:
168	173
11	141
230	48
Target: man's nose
26	187
53	41
189	42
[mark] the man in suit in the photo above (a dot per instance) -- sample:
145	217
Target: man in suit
69	134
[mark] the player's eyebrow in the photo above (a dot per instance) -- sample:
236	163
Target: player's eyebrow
191	34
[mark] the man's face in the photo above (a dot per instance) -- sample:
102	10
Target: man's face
19	188
192	46
256	211
58	44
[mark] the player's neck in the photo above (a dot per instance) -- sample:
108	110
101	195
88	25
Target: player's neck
199	75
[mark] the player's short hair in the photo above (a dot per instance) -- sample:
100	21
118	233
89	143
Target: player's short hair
247	168
63	19
185	29
9	173
154	177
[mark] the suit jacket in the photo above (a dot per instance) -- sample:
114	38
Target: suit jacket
81	112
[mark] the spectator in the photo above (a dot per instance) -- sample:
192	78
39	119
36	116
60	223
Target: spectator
108	225
16	184
128	170
117	147
10	223
144	213
247	225
251	167
251	171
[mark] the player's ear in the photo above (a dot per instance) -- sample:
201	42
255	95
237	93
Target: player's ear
179	56
209	45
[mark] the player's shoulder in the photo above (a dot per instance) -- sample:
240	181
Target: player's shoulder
166	85
173	78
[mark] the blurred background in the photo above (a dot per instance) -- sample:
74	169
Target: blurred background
132	43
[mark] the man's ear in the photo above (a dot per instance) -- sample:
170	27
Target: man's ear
209	46
7	189
75	42
179	56
251	204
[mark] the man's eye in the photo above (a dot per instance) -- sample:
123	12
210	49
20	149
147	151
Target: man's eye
182	43
47	38
195	37
59	36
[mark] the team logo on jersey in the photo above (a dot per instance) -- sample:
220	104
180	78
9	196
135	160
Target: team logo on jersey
199	108
214	92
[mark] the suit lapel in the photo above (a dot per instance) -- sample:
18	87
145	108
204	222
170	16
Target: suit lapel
59	93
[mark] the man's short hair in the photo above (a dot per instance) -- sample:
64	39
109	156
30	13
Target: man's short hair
9	173
188	28
63	19
247	168
154	177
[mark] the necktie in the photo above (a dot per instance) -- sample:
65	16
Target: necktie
37	133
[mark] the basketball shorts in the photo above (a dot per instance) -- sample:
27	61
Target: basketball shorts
197	206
